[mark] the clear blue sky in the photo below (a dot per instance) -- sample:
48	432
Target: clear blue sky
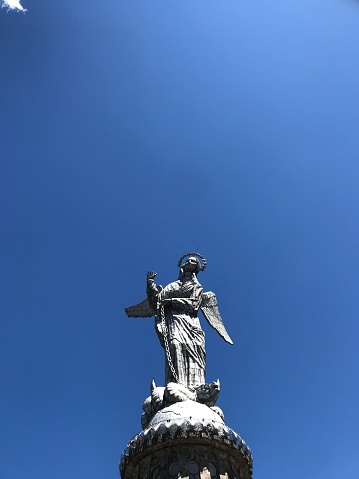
134	131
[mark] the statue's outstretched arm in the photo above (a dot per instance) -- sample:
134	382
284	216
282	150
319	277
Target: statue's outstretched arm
151	289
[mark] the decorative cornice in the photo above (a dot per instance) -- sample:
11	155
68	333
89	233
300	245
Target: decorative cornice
182	430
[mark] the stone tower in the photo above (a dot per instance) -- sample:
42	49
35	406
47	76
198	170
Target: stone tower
183	433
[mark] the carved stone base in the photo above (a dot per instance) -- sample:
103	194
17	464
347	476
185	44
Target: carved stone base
186	440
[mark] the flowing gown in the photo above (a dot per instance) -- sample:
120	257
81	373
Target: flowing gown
185	335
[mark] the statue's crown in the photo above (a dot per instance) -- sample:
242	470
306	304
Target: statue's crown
201	259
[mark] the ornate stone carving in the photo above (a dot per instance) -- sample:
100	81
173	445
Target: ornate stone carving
184	432
173	392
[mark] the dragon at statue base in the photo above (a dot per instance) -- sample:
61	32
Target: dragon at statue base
172	393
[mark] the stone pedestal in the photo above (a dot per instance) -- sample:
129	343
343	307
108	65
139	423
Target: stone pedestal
186	440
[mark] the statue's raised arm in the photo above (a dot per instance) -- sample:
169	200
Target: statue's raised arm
146	308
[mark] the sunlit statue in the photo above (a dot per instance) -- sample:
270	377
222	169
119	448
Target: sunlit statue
175	308
183	431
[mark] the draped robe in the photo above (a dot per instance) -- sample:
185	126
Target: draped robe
181	300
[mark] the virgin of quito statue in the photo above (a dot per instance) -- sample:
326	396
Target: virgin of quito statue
184	434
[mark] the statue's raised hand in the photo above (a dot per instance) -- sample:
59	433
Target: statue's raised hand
151	275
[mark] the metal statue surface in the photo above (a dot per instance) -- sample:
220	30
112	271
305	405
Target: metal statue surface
175	308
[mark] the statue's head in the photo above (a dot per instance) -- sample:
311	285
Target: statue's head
193	263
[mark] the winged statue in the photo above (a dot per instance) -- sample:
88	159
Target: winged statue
175	308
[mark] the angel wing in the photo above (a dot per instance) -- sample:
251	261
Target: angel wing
209	308
142	309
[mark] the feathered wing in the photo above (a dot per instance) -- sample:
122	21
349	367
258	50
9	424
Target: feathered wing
141	310
209	308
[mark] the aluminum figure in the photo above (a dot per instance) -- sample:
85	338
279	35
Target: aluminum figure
175	308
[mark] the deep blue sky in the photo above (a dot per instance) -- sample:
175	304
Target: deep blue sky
134	131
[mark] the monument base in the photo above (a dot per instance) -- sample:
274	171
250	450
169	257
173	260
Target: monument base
186	440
